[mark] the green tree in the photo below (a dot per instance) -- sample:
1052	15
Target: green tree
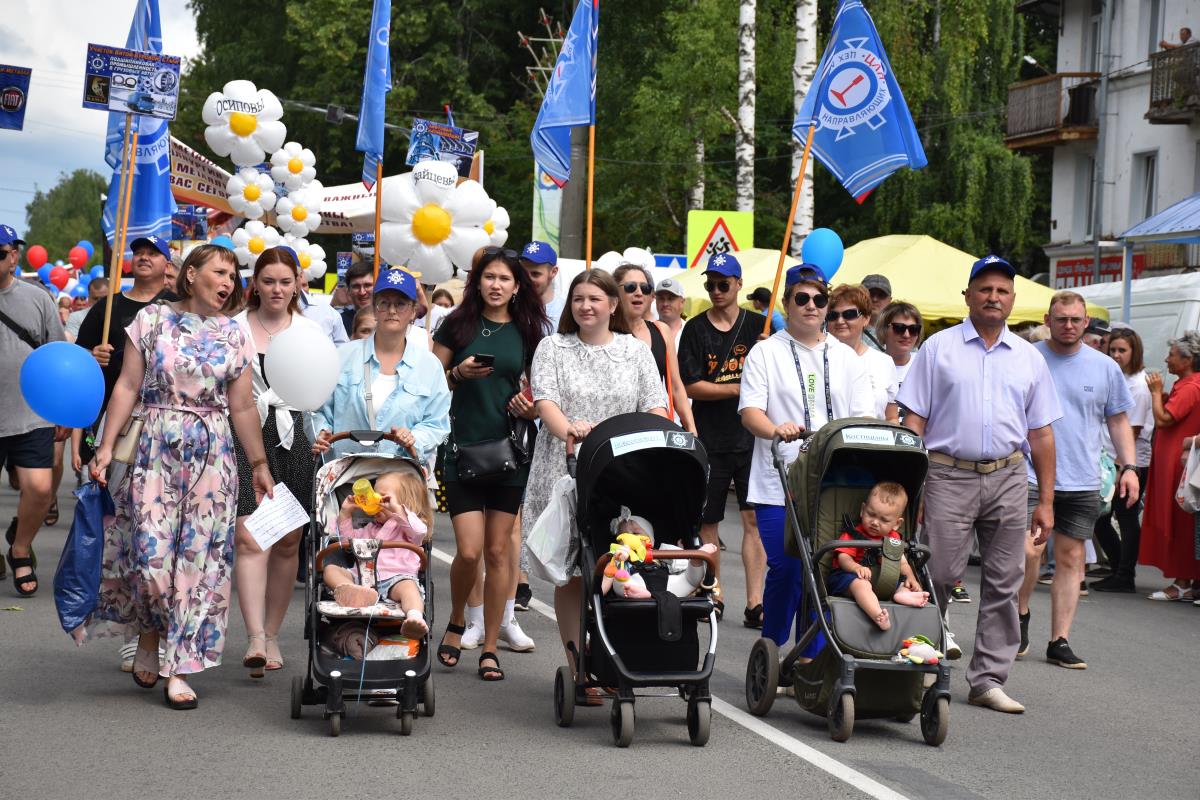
67	213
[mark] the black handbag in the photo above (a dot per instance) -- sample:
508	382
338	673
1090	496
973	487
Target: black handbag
495	459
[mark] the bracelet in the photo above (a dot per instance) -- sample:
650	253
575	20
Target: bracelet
258	462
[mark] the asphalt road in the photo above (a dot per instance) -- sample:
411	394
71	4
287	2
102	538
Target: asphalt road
73	725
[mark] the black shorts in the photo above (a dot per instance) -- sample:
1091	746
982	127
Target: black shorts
723	468
462	498
32	450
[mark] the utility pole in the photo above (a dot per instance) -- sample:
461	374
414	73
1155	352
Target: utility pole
1106	8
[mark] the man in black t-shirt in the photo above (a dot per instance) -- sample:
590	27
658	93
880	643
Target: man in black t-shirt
712	351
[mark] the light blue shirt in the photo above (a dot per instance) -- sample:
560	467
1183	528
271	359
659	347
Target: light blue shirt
979	402
1091	388
420	401
329	320
554	310
778	323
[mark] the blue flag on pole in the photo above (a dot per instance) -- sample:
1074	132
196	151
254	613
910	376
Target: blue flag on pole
377	82
152	204
570	95
864	131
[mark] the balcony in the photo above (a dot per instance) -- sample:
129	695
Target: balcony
1051	110
1175	86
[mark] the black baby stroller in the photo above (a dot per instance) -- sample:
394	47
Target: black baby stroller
659	471
392	669
857	673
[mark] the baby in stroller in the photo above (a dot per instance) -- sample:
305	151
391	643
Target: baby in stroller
395	569
635	537
851	576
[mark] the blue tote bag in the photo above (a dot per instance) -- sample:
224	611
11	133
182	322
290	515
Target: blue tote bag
77	579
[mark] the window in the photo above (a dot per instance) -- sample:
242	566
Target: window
1153	16
1085	182
1145	187
1091	40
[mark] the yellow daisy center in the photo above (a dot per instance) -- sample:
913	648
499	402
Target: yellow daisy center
242	124
305	260
431	224
295	165
490	227
252	192
256	245
299	213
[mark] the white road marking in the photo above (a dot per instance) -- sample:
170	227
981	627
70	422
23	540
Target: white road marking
837	769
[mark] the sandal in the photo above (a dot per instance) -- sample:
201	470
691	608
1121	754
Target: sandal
52	514
753	616
146	661
254	659
715	594
1182	594
446	651
10	536
484	672
21	581
274	657
181	700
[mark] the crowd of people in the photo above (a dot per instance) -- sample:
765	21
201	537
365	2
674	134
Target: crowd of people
191	437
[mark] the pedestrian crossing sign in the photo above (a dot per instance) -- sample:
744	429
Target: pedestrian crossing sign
712	232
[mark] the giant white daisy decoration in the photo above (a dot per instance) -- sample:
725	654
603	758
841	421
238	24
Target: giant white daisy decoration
497	227
251	239
243	123
293	166
299	212
251	193
431	223
311	256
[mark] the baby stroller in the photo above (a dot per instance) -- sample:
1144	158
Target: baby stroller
403	676
856	674
629	460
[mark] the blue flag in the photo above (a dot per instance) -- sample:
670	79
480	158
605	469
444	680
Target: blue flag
377	82
152	204
14	91
570	95
864	131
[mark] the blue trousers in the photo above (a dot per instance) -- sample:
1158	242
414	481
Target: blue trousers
784	583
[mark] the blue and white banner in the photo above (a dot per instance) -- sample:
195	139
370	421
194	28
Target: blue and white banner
14	96
377	82
570	95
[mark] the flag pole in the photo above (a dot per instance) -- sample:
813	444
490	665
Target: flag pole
378	207
587	253
787	229
124	190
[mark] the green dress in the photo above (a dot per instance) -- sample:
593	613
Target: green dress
479	408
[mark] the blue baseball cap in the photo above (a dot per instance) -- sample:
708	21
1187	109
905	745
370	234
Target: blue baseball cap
9	236
396	280
991	262
157	242
805	272
539	253
724	264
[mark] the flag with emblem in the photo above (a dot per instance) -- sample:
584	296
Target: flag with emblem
863	129
570	95
377	82
152	204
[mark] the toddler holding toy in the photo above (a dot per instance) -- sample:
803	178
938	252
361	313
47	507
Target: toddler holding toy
682	582
880	515
395	568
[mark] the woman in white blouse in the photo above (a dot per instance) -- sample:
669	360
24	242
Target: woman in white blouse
848	316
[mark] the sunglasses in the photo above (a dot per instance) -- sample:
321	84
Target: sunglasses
6	253
819	300
850	314
632	286
500	251
899	328
717	286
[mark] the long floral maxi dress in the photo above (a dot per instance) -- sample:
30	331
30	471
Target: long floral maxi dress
168	554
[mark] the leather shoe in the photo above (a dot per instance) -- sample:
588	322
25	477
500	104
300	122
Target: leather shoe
997	700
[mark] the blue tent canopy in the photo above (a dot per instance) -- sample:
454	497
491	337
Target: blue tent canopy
1177	224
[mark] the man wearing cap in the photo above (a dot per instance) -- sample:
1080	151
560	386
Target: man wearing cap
880	289
28	320
761	298
541	264
712	353
668	302
1097	334
977	393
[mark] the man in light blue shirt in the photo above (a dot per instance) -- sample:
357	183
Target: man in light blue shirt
1092	391
977	392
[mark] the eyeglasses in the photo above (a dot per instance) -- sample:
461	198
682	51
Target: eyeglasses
6	253
393	305
819	300
717	286
850	314
632	286
500	251
899	328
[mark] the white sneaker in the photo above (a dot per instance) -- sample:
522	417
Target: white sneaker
997	700
953	651
518	641
473	636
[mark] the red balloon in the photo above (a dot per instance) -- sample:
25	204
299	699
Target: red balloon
59	277
127	265
37	256
78	257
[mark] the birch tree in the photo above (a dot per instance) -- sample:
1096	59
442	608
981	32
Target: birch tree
804	69
744	128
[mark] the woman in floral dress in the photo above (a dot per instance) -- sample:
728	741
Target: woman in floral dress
168	554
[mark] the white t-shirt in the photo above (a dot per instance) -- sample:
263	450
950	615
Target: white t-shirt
884	382
902	371
382	388
770	383
1142	414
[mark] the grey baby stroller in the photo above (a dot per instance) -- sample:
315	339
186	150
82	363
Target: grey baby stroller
857	674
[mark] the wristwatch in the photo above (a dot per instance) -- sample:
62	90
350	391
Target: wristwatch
1125	467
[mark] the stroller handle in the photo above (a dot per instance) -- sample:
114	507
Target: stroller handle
662	555
375	437
320	560
571	460
776	456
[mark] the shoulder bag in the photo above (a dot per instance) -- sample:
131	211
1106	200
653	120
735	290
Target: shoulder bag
491	461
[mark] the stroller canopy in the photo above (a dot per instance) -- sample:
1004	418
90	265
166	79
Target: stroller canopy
645	462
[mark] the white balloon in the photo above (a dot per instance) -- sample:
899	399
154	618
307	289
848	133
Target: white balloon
609	261
302	367
637	255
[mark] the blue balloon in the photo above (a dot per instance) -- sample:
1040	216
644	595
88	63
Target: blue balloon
824	248
43	274
86	245
53	290
53	366
97	271
224	241
59	263
18	273
84	279
80	290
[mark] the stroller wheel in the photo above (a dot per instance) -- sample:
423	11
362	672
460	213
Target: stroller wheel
297	696
699	721
427	696
622	722
762	677
841	717
564	697
406	722
935	718
335	724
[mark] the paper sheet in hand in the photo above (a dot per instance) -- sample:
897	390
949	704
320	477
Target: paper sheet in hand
276	516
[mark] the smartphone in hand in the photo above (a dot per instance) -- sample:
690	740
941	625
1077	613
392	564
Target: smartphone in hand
485	359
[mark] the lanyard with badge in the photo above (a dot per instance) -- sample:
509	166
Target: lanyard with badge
804	389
